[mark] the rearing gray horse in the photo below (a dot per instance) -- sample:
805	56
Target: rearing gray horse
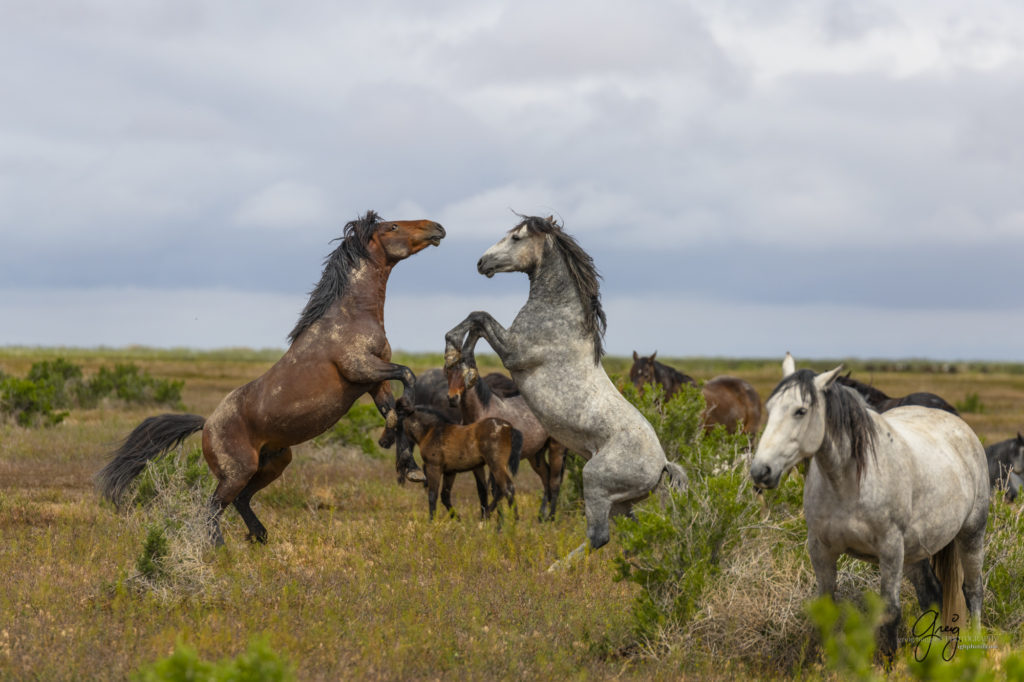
553	351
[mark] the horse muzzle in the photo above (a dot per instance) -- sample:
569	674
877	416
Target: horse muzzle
764	476
484	267
437	235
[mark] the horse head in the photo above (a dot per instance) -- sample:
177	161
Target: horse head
461	377
520	250
399	239
795	428
642	371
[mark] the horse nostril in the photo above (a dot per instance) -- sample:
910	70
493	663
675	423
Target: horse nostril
760	472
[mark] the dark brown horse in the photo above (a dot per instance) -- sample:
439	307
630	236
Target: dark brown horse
448	449
730	401
432	391
338	352
478	400
881	402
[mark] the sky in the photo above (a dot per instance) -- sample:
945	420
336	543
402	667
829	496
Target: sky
835	179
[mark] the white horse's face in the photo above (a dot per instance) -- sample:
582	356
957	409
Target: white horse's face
795	430
518	251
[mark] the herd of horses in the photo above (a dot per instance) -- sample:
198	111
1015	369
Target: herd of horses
902	482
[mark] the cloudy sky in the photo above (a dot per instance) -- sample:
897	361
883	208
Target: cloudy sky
831	178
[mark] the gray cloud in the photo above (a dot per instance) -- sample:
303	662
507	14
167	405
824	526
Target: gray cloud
762	154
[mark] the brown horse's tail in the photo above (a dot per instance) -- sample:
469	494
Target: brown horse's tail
950	573
149	440
517	451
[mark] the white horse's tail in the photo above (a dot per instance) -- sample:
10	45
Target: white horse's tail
677	479
950	572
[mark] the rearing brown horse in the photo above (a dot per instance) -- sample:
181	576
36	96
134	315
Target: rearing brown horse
338	352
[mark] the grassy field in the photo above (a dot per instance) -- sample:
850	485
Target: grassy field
355	583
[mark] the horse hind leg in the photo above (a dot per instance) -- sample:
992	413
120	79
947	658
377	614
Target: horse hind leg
971	547
233	462
926	585
481	489
446	493
272	464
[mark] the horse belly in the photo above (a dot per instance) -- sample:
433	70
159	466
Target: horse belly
285	416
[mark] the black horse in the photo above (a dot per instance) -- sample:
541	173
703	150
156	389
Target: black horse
881	402
1006	465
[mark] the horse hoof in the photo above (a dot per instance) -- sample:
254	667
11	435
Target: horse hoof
416	476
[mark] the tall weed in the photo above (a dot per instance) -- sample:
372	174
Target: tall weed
171	500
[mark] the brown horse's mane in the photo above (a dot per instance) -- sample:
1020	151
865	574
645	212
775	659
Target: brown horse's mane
337	266
583	273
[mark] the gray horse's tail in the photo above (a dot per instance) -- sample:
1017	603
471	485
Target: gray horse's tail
950	572
517	451
149	440
677	479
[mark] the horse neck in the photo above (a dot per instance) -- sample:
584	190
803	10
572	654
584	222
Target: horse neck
837	467
475	401
367	287
551	284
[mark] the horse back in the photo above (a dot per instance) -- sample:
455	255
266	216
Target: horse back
948	461
730	401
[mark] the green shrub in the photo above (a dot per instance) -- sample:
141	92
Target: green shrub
675	543
29	403
848	635
132	385
52	386
258	663
1004	565
60	376
673	549
971	404
359	428
154	551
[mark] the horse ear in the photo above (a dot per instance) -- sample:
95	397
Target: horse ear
1020	438
788	365
635	356
825	379
653	354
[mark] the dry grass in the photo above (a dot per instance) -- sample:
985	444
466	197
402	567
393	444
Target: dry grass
355	582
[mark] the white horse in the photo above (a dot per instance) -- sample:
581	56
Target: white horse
553	352
892	489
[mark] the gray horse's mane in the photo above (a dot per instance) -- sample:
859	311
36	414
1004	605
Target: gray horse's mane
583	273
846	414
337	267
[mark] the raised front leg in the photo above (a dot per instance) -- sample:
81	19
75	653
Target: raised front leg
465	335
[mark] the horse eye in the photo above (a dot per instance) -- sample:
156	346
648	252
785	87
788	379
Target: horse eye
800	412
393	227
